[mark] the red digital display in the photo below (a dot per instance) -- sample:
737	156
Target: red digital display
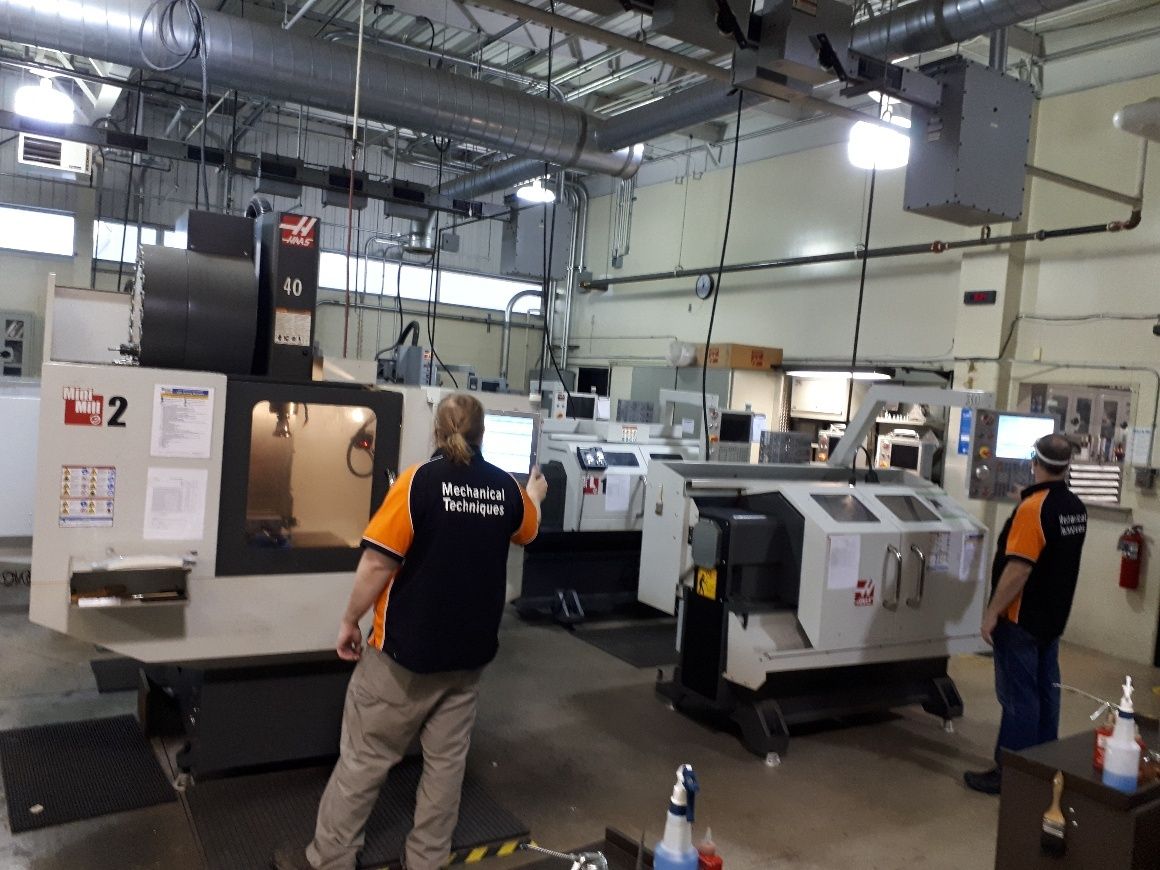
980	297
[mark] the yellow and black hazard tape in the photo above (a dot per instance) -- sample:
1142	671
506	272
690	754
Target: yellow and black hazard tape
495	850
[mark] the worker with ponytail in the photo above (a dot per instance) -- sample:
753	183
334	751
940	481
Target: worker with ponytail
434	572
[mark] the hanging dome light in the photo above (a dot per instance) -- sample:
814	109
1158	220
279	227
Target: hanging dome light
534	191
43	102
876	146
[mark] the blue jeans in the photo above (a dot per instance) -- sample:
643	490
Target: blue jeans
1025	669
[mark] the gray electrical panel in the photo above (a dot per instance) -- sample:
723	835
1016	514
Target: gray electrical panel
967	157
522	249
16	352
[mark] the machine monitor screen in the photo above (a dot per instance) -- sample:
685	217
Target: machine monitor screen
625	460
908	508
736	427
509	441
845	509
582	407
904	456
1016	435
593	379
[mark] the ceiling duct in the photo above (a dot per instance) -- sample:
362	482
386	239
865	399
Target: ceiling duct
263	59
925	25
694	106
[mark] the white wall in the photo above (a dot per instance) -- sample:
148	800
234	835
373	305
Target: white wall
810	202
1113	274
799	204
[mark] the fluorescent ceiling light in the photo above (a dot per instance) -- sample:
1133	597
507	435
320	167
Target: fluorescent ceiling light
534	191
43	102
846	374
876	146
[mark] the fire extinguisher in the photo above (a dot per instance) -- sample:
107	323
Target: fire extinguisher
1131	547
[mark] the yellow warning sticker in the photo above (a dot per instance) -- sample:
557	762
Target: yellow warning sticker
706	584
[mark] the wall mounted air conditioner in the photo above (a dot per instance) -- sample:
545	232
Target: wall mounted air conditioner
49	153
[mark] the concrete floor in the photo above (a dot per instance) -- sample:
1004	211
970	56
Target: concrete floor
572	740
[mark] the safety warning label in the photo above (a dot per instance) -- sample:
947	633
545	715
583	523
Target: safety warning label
88	495
292	327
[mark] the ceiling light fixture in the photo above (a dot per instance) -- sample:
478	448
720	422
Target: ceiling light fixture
843	374
43	102
534	191
876	146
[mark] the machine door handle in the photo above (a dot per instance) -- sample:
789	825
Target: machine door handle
892	603
916	599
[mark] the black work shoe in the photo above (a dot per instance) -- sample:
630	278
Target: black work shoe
290	858
988	781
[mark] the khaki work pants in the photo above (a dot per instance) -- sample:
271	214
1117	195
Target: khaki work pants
386	706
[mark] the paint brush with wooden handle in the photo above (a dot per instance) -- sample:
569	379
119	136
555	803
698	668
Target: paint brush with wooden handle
1051	841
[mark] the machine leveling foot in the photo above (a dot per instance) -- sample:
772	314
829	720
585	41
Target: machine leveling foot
772	759
949	726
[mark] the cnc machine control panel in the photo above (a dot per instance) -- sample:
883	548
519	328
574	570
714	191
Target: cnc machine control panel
1002	445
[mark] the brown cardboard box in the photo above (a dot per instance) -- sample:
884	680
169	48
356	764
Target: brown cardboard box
740	356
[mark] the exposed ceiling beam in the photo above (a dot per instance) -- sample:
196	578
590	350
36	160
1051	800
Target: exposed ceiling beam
606	37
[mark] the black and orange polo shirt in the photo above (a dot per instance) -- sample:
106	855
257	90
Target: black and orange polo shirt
450	526
1047	531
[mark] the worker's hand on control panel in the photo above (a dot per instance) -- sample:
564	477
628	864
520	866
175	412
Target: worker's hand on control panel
349	644
537	485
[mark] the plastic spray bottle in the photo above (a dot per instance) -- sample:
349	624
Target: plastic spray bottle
675	851
1122	753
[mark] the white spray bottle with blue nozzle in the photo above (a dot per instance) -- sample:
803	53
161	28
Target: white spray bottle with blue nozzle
1122	753
676	851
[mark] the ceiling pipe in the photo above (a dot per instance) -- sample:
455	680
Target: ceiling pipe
997	50
287	67
505	350
698	104
349	36
925	25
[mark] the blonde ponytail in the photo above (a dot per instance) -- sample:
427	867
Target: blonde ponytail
459	427
458	450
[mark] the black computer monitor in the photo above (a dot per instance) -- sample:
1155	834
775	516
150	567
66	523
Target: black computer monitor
593	379
904	456
736	427
582	406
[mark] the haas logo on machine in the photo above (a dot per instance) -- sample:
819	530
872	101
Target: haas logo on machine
82	407
298	230
864	593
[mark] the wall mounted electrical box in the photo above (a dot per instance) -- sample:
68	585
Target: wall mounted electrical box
967	157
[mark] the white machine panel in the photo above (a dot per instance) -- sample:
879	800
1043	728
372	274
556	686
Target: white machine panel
118	477
20	410
606	464
889	571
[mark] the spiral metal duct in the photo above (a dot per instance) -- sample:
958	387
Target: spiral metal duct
925	26
264	59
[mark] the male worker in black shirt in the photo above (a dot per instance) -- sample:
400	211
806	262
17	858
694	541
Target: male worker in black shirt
1033	583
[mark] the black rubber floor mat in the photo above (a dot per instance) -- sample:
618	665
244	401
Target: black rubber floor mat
242	820
79	770
643	645
118	674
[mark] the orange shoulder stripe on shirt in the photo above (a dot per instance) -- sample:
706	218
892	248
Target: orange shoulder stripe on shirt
379	628
392	528
530	525
1026	538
